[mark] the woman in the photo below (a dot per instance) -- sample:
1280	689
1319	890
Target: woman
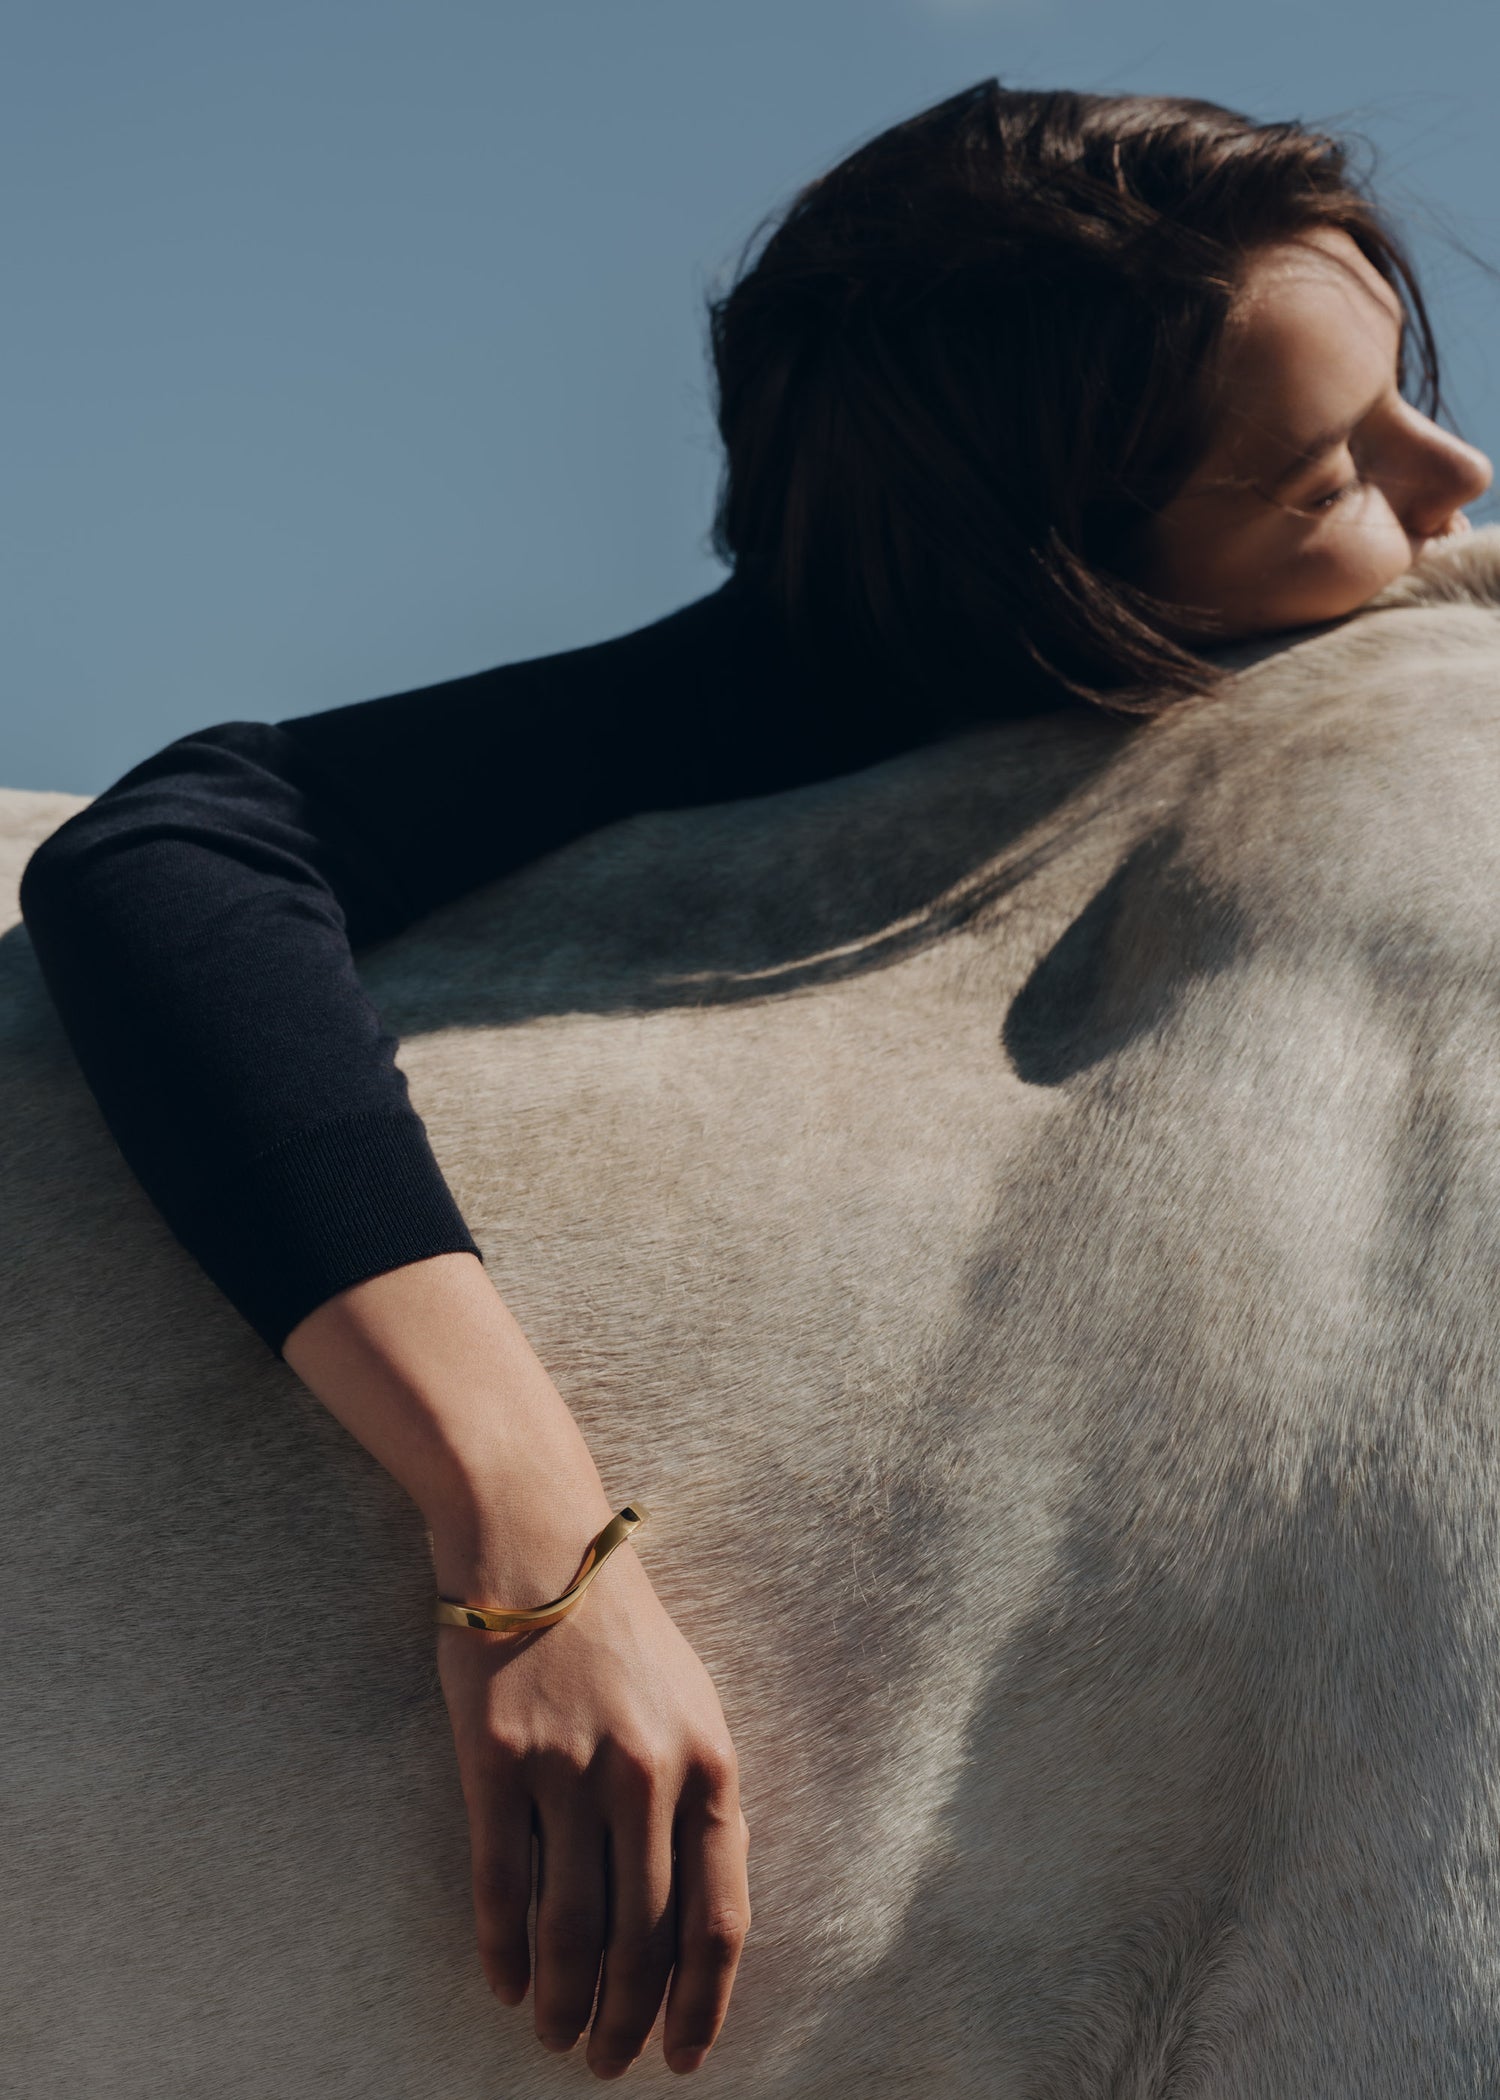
1025	404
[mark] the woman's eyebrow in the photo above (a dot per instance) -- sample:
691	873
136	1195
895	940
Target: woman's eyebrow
1309	454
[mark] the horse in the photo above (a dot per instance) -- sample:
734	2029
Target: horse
1024	1217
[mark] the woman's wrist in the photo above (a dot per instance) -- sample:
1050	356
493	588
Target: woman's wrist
518	1539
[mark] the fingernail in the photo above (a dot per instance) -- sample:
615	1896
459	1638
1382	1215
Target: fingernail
685	2059
559	2044
611	2067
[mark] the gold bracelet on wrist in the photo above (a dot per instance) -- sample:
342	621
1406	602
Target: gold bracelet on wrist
495	1618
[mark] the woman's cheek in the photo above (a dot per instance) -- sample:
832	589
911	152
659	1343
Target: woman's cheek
1350	561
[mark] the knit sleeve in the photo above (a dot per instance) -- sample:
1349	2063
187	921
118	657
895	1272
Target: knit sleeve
196	926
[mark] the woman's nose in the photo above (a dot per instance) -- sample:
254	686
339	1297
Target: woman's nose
1449	475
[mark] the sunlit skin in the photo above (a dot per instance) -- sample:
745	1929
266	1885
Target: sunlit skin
1321	484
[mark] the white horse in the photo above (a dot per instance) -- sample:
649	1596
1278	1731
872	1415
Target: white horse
1025	1218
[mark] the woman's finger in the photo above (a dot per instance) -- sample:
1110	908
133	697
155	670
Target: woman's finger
569	1913
639	1934
713	1915
500	1850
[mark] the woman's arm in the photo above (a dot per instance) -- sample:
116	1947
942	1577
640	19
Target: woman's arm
196	925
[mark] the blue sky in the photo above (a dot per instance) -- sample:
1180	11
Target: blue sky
354	346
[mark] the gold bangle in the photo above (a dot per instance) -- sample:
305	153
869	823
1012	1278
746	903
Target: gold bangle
496	1618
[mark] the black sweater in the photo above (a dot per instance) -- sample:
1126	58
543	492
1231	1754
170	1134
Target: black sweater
196	923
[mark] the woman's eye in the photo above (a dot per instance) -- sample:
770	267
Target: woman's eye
1338	495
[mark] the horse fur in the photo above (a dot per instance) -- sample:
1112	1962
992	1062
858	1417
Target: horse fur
1025	1219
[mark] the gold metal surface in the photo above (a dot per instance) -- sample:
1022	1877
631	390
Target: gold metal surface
498	1618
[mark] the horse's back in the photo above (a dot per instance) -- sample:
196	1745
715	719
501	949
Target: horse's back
1023	1219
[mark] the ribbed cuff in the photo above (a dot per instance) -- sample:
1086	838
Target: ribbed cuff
282	1233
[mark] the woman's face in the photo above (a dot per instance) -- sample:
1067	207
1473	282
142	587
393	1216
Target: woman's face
1321	485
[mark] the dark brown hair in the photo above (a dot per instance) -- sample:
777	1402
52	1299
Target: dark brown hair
968	361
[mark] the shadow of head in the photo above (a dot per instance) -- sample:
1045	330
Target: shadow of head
1120	967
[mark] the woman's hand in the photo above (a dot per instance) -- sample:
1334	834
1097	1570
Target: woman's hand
602	1733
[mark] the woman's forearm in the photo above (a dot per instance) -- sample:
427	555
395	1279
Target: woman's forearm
430	1371
600	1737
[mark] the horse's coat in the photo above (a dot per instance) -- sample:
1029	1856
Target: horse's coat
1070	1156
